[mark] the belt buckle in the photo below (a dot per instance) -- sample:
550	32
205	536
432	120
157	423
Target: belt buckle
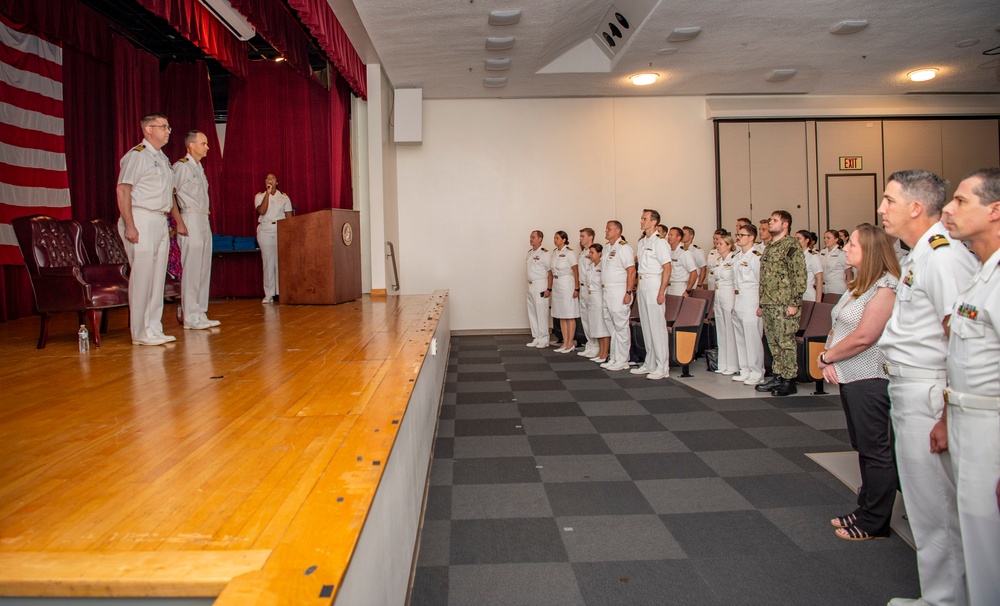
885	368
946	397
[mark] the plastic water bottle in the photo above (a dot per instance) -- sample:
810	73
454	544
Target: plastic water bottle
84	339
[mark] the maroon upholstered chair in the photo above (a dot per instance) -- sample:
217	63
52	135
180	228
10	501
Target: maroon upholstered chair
104	245
61	278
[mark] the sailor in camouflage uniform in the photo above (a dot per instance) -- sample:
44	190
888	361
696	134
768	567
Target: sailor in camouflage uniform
782	282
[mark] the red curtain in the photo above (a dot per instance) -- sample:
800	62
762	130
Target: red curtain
137	93
197	24
68	21
318	17
274	23
342	192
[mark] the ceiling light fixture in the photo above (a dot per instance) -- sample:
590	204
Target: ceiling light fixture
682	34
511	17
851	26
922	75
279	59
495	81
780	75
500	42
496	65
644	79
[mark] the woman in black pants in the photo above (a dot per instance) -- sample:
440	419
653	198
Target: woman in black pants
853	360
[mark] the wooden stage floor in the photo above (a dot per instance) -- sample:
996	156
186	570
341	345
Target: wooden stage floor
251	449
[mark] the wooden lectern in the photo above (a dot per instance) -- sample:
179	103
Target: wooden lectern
319	257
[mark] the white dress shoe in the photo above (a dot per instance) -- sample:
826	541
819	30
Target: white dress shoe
166	338
740	377
642	370
599	360
211	323
153	340
267	300
752	380
718	371
196	326
655	376
618	366
728	373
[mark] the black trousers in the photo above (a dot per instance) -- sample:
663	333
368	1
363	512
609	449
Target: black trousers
866	404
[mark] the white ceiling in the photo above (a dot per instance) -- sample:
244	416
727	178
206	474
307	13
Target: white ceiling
440	46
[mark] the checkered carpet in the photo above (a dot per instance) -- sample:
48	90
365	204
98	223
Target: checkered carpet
556	482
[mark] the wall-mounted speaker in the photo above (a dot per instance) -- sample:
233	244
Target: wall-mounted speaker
408	112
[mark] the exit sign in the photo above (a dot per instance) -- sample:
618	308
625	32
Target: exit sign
850	163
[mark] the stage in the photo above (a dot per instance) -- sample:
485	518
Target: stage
280	458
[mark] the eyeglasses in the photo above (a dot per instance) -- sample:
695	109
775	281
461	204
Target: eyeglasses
742	235
165	126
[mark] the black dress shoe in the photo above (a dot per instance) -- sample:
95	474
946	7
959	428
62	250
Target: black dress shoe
786	388
766	387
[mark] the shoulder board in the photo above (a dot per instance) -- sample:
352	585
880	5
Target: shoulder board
812	252
756	252
622	241
683	247
660	236
545	249
569	248
184	159
695	245
139	147
937	240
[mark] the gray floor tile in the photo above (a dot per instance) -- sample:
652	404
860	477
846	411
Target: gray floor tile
435	543
441	472
665	466
492	446
809	526
688	421
531	375
617	538
430	586
475	377
785	490
506	541
643	583
438	503
748	579
552	395
782	437
596	499
736	404
484	386
626	424
495	470
627	443
537	385
573	444
464	367
718	439
446	428
760	418
551	426
444	448
541	584
727	533
598	395
495	501
692	495
500	410
615	408
550	409
656	390
589	384
674	405
581	468
752	462
483	397
488	427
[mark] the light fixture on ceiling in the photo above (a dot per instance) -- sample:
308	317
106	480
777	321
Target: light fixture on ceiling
495	81
967	43
279	59
851	26
510	17
644	79
780	75
496	65
922	75
682	34
496	43
668	50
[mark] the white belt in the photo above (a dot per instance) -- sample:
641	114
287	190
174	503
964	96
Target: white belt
147	210
967	400
606	285
657	276
195	212
908	372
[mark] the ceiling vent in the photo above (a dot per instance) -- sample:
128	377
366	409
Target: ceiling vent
614	31
511	17
227	15
495	82
497	43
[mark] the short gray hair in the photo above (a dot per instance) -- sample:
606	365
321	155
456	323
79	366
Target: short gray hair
924	186
191	136
989	189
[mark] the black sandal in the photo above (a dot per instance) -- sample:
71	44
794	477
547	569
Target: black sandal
844	521
853	533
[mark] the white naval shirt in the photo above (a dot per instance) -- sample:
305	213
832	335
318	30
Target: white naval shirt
191	185
618	257
277	206
974	347
653	253
928	287
759	247
713	267
834	263
682	263
539	264
813	266
147	170
698	254
748	273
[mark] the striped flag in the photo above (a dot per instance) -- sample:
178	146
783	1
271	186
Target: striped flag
32	149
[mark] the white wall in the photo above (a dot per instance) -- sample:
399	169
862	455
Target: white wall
490	171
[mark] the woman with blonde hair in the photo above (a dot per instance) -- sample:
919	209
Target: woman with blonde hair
853	360
725	301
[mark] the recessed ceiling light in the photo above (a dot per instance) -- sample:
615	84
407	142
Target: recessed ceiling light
967	43
922	75
682	34
500	42
851	26
780	75
495	81
495	65
669	50
644	79
511	17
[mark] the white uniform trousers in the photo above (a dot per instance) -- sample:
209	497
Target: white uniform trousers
748	329
148	259
725	328
928	488
616	318
654	325
267	239
538	310
584	316
974	443
677	289
196	259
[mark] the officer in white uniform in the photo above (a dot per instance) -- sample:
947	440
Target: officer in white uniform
684	270
973	394
747	325
915	347
539	271
145	196
654	273
272	206
191	211
618	269
697	253
585	269
834	263
713	259
724	302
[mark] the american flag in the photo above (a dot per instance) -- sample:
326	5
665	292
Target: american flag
32	149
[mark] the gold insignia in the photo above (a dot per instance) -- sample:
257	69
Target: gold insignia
139	147
756	252
938	240
696	246
184	159
660	236
622	241
569	248
545	249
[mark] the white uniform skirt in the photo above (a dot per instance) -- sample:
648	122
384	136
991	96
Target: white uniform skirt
595	310
564	306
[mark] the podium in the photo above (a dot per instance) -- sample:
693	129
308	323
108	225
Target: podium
319	257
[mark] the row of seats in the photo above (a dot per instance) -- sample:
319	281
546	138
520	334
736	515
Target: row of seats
79	267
